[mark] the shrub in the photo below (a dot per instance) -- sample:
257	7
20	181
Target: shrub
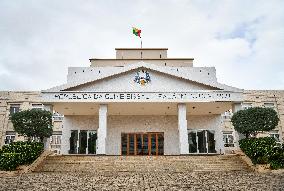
263	150
258	149
9	161
252	120
277	158
33	123
19	153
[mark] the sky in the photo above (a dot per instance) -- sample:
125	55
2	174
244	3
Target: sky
40	39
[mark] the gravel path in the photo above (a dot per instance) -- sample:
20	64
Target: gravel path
144	181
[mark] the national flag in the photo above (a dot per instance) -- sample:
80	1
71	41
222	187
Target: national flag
136	31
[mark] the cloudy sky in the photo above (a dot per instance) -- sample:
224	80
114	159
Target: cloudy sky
40	39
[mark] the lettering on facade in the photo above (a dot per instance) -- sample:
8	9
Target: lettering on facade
140	96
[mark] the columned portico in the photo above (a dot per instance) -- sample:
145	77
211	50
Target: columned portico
182	129
153	106
102	130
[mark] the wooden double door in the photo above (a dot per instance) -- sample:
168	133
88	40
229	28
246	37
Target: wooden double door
142	143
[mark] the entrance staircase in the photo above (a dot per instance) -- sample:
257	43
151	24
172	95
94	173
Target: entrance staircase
88	163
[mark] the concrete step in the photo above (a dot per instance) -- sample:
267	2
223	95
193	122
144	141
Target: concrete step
138	160
71	163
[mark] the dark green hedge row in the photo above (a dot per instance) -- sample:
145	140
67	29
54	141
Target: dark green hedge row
263	150
19	153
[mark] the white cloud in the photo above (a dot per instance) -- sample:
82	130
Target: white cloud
39	39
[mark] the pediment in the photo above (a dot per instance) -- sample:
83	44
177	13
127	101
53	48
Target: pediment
162	79
142	79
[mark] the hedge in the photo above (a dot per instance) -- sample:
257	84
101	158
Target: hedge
9	161
19	153
277	158
263	150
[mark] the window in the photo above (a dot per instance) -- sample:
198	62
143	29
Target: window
37	106
201	141
10	137
228	139
246	105
32	139
14	108
275	135
268	105
48	108
57	117
227	115
55	141
83	142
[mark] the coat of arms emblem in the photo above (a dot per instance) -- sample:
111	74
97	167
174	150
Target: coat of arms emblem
142	77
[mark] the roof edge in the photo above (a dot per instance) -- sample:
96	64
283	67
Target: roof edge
141	48
91	59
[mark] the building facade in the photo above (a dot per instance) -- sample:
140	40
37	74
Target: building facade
269	99
15	101
141	103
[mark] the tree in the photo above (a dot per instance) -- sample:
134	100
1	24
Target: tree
33	123
253	120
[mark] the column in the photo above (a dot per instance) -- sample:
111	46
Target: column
237	136
102	130
236	107
219	143
46	142
66	134
182	129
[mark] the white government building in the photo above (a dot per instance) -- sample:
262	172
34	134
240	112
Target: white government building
142	103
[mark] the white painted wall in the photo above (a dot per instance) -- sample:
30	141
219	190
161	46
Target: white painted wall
212	122
159	82
76	122
120	124
136	53
83	74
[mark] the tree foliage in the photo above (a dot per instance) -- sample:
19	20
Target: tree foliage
253	120
33	123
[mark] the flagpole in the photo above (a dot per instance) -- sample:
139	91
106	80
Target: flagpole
141	47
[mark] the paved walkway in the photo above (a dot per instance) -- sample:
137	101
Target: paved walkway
144	181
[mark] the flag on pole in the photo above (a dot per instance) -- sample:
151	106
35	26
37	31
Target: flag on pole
136	31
